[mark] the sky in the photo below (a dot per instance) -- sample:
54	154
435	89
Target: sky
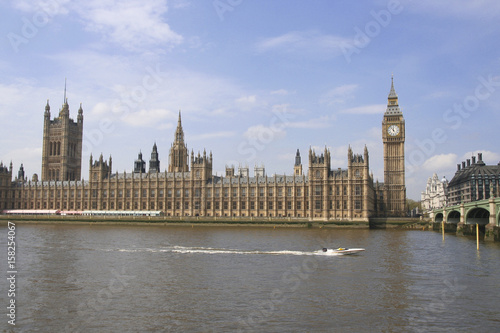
254	80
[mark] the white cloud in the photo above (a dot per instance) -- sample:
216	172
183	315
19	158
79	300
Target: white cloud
149	118
282	92
321	122
50	8
311	43
264	134
132	24
489	157
339	95
367	109
246	102
440	163
213	135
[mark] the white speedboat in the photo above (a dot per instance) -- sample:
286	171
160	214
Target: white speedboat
341	251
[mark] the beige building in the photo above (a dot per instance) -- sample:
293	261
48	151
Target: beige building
189	188
435	192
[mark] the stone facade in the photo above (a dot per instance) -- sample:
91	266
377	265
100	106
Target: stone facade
189	188
474	181
392	193
435	192
62	145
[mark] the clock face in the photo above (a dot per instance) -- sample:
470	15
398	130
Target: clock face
393	130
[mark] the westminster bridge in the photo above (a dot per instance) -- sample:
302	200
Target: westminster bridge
463	217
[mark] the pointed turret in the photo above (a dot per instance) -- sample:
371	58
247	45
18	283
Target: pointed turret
392	101
179	154
179	133
80	114
47	110
64	112
297	169
297	158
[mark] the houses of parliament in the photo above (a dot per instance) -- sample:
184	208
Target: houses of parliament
188	187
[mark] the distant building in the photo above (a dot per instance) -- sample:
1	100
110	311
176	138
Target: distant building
435	192
188	186
474	181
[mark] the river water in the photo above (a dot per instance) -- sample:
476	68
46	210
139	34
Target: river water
249	279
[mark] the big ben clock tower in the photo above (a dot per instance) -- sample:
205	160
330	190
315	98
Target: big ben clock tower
393	137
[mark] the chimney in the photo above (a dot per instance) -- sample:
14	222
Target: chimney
463	165
479	157
473	159
468	162
458	167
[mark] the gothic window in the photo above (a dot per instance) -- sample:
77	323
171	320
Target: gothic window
317	173
317	190
317	204
357	173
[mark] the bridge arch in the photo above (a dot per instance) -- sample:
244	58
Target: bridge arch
477	215
438	218
453	217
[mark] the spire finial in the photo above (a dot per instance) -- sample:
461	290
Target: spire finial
65	99
392	93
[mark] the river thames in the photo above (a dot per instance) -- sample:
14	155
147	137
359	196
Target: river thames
249	279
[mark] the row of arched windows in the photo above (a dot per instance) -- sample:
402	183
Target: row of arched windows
54	174
55	149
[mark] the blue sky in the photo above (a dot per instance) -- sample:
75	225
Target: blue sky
254	80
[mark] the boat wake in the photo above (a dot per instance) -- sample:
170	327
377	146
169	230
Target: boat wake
209	250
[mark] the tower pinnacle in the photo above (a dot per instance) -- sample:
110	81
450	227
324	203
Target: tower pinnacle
392	101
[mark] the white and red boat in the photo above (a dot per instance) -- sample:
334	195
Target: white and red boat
341	251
